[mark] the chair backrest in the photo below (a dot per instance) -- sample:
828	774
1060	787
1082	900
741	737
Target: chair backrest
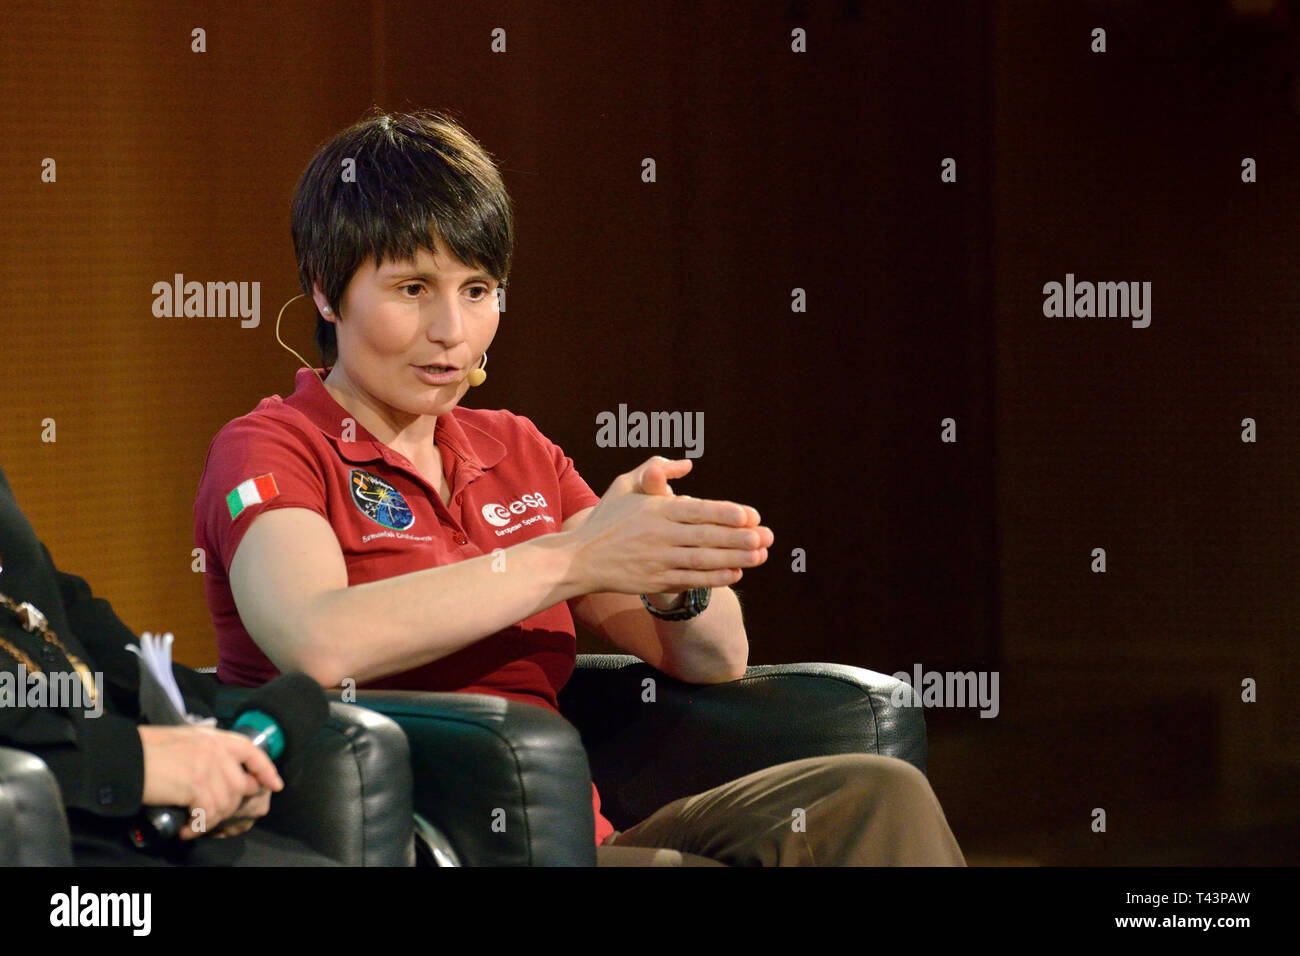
651	739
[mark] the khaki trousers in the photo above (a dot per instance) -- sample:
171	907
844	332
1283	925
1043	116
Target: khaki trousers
841	810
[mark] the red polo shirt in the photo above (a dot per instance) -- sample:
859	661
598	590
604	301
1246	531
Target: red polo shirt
509	483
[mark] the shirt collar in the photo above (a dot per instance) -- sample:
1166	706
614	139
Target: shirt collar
471	444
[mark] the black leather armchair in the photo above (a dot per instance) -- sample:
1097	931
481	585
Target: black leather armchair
33	829
352	802
508	784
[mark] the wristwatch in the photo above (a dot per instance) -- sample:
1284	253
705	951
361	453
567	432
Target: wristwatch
689	605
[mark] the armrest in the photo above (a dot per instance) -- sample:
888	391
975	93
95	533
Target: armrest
352	801
507	783
693	737
33	827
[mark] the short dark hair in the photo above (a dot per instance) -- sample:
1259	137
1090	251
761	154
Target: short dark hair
418	177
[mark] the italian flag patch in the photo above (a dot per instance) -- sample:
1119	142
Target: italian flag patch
253	491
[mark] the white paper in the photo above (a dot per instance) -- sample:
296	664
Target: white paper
161	701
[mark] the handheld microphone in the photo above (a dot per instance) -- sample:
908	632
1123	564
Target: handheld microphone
281	718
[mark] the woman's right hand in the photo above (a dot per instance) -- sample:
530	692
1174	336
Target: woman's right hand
640	542
204	768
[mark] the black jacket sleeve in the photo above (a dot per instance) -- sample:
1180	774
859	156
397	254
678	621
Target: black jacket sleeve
97	758
94	752
101	770
104	773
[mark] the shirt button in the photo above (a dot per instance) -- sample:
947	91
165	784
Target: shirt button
48	653
459	538
105	795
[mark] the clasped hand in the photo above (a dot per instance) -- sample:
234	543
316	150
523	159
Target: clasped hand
642	538
221	773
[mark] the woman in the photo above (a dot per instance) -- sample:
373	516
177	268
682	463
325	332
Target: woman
368	528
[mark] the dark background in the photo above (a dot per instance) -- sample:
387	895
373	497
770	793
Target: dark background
775	171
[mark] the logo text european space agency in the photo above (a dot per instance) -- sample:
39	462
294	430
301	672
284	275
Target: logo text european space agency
499	515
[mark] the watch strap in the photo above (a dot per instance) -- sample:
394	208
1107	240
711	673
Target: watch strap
693	602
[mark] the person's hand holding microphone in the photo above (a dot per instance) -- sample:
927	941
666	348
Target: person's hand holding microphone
221	772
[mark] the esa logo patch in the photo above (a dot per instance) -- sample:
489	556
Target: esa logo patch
499	515
380	502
